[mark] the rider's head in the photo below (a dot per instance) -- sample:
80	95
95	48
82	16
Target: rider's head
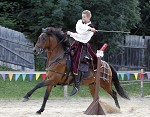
86	16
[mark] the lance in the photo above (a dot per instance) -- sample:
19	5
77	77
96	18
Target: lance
112	31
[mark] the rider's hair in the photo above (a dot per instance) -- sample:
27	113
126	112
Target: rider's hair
88	13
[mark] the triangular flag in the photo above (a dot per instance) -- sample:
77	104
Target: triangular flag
23	77
37	76
122	76
148	75
118	75
30	76
136	75
16	77
43	76
141	76
128	75
10	76
4	76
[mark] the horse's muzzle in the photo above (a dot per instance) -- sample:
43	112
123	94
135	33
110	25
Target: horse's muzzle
37	51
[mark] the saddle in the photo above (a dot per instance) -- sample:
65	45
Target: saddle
84	66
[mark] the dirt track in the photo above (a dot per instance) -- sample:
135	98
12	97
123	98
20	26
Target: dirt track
136	107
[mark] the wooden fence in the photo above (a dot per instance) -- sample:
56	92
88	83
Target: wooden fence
135	54
15	50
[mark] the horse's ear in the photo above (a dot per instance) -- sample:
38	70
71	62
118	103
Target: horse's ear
43	30
59	29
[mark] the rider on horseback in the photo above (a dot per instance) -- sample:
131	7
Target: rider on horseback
80	47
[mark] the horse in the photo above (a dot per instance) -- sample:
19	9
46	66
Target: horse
54	42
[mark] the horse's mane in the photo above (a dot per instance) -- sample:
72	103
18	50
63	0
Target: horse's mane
61	36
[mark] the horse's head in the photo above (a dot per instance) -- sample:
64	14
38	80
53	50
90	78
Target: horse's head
48	40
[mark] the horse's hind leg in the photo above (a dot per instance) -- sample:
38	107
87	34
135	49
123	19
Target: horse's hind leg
92	89
110	91
48	90
114	96
39	85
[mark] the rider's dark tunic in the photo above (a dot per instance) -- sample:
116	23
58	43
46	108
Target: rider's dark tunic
77	47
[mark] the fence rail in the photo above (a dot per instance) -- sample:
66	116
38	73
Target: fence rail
142	82
134	54
10	56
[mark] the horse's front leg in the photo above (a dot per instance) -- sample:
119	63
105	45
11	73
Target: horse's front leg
92	89
48	90
39	85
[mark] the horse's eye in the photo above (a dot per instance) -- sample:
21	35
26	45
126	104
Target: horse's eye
42	38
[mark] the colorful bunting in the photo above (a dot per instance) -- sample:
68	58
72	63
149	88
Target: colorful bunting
23	77
37	76
30	76
16	77
141	76
43	76
128	75
3	76
118	75
148	75
122	76
136	75
10	76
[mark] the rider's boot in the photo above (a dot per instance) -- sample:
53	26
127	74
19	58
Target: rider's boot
76	85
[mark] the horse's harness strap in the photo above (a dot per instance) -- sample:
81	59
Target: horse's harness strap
56	60
63	73
57	45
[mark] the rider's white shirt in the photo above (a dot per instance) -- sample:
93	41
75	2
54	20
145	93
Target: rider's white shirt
83	34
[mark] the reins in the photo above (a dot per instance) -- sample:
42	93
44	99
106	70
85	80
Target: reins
57	44
58	58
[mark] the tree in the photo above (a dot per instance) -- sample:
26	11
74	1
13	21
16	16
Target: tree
8	14
143	27
120	15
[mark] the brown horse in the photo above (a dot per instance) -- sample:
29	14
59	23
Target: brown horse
54	42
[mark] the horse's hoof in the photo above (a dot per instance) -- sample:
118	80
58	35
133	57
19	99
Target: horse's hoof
25	99
38	112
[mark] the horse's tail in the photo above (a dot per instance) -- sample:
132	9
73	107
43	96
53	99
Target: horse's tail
117	85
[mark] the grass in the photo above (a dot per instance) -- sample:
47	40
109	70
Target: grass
17	89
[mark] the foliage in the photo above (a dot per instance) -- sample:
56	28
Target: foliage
8	14
30	16
4	68
143	28
40	63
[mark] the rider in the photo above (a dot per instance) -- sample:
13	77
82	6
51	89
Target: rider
84	32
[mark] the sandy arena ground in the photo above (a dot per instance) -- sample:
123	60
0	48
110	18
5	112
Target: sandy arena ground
136	107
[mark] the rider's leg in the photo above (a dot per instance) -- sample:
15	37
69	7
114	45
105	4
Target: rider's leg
77	79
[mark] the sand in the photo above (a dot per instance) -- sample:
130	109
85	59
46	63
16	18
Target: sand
136	107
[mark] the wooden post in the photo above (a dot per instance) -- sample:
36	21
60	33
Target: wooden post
65	92
142	82
95	107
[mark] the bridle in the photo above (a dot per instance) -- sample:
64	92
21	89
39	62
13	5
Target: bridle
57	44
50	51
